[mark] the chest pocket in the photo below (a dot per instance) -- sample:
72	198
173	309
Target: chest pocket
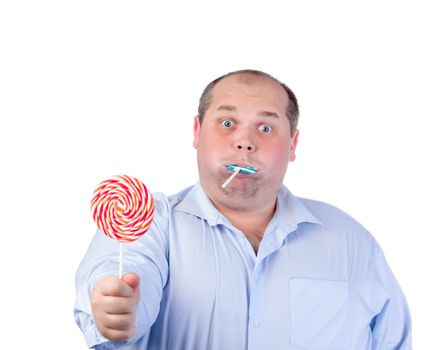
318	314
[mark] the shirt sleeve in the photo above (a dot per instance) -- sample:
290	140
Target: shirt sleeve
391	327
147	257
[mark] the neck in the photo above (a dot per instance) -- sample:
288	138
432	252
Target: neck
252	222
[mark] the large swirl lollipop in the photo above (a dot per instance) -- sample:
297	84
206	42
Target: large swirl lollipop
123	209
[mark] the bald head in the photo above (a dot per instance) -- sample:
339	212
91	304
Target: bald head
249	76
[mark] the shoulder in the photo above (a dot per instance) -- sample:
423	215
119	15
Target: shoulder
341	234
165	202
165	205
327	213
336	222
178	197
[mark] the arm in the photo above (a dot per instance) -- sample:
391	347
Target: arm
391	328
146	257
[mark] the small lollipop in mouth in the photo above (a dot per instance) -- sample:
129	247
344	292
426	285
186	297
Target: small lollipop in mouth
236	170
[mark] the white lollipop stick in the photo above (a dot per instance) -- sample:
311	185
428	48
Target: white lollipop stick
224	185
120	273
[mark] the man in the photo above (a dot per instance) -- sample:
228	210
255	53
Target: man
248	266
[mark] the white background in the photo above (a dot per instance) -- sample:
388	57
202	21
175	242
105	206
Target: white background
89	89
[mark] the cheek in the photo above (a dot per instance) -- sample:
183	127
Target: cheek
277	153
212	144
211	150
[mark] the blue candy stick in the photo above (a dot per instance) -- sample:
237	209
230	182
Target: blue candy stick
237	169
242	169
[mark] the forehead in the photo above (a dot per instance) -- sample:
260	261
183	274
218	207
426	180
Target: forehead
247	89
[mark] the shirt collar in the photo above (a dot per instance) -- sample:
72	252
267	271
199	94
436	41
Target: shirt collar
196	202
290	210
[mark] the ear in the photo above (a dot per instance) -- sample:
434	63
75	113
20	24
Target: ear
293	144
196	131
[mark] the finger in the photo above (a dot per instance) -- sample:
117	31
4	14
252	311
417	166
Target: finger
120	322
117	335
115	287
132	280
118	305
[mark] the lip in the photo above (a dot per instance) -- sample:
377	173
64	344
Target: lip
246	165
242	164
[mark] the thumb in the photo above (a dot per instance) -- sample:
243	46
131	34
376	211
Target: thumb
132	280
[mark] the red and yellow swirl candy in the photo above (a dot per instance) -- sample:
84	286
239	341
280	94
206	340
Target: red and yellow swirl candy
123	208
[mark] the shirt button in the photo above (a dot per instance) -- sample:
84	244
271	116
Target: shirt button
256	323
255	277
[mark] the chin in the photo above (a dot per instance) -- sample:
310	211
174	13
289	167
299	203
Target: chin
244	192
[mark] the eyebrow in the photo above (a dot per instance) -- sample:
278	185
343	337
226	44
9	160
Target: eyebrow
234	109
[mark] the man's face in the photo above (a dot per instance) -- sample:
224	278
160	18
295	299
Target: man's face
245	124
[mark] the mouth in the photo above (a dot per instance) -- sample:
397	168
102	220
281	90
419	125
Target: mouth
241	168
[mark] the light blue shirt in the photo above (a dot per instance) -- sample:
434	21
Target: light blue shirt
319	281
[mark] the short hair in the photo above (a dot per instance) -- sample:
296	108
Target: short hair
292	109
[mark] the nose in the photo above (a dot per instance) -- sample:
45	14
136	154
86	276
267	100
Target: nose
245	145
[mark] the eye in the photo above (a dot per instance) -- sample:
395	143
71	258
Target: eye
265	128
227	123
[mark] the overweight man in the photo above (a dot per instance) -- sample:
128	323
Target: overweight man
248	265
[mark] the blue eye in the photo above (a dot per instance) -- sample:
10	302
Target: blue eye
227	123
265	128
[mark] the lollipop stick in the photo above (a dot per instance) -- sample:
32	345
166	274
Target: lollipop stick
120	273
224	185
